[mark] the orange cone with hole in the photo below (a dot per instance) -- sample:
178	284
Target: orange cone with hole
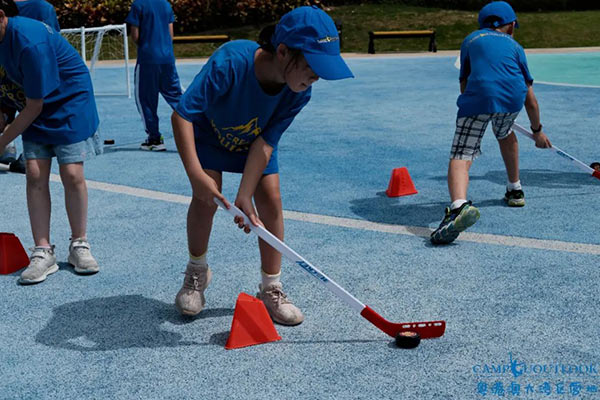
251	324
400	183
12	254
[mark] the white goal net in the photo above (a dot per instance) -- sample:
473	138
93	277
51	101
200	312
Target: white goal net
105	51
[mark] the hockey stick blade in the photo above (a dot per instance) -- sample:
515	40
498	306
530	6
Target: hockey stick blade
425	329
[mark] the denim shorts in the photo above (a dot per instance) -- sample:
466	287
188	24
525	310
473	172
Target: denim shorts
64	153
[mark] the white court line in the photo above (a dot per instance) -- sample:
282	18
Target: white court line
419	231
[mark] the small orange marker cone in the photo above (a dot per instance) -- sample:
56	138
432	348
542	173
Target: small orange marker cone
12	254
400	183
251	324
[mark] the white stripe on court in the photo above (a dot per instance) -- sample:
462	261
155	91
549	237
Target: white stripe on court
420	231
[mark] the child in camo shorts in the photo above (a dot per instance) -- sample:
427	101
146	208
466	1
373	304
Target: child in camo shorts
494	83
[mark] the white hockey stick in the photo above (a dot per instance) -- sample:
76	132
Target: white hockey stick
581	165
427	329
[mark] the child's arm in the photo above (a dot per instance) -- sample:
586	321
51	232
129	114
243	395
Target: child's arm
203	186
533	112
258	158
33	108
135	34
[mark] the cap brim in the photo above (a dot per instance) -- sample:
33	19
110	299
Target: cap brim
328	67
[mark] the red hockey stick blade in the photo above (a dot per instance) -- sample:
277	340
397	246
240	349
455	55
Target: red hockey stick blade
426	329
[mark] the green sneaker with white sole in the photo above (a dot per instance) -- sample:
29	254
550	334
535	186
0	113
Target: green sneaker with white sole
455	222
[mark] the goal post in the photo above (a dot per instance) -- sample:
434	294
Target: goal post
105	50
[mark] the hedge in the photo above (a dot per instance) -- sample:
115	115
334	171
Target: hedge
518	5
192	15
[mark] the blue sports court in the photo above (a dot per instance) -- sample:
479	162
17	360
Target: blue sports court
518	291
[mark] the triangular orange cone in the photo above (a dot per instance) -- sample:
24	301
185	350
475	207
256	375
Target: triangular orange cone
12	254
400	183
251	324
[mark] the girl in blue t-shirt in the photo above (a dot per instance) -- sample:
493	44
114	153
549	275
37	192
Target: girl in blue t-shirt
231	119
42	11
59	120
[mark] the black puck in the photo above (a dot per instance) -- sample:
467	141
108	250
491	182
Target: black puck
408	340
109	141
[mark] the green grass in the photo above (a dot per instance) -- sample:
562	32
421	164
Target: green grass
538	30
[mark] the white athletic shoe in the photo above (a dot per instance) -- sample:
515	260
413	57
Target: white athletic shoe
190	298
41	264
81	258
9	155
278	305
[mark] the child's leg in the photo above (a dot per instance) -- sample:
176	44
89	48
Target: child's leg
267	198
190	298
509	147
458	178
38	200
170	87
42	261
146	96
270	210
76	197
200	220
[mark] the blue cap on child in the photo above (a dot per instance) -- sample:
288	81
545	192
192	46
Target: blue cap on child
503	12
312	31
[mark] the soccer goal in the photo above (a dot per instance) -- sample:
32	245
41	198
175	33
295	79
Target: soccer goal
105	51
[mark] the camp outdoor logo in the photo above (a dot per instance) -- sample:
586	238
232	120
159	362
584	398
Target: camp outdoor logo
328	39
517	368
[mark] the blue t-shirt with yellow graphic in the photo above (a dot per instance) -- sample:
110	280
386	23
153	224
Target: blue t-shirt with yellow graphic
228	107
47	67
12	95
497	74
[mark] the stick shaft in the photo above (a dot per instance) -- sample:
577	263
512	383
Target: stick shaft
558	151
296	258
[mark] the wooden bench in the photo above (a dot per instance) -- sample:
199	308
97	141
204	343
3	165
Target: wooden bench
201	39
400	35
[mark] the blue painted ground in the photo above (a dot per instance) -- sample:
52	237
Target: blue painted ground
117	334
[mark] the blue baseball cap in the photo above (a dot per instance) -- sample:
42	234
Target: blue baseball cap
500	9
312	31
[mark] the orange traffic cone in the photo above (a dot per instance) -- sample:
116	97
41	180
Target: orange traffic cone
12	254
400	183
251	324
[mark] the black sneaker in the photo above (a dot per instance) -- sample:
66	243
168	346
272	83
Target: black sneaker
454	222
18	165
153	145
515	198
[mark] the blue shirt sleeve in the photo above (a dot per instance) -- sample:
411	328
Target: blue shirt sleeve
134	15
213	80
283	119
40	71
171	16
523	65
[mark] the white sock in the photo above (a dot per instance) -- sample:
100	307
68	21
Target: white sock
457	203
200	260
269	279
514	186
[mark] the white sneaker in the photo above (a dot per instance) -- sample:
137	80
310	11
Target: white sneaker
41	264
81	258
190	298
9	155
278	305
